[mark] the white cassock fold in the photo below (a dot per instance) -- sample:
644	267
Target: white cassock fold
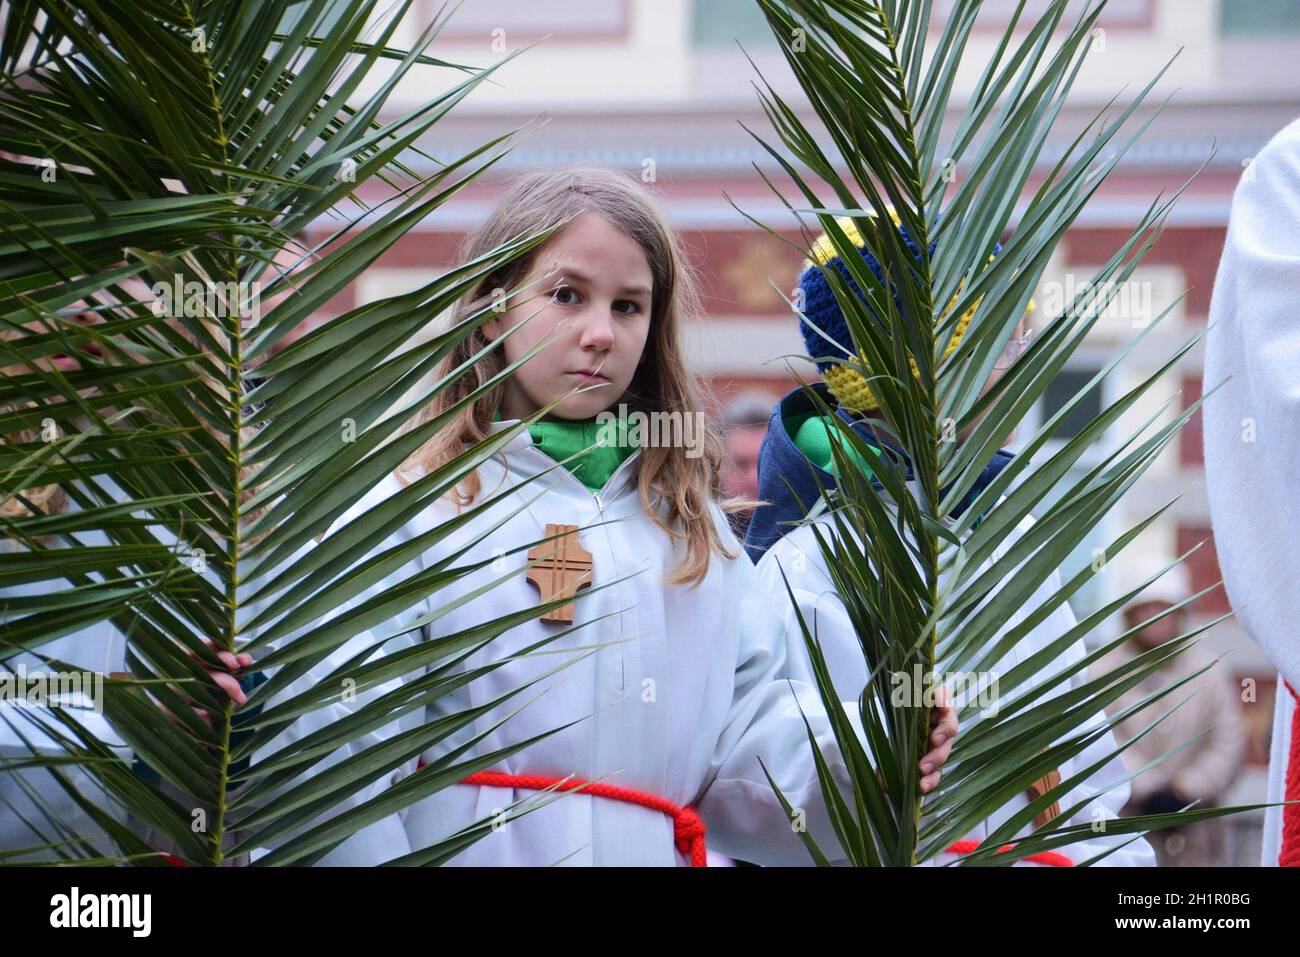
1252	425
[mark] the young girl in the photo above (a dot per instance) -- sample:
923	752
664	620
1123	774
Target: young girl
677	692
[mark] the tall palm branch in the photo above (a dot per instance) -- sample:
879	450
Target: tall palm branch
920	587
202	454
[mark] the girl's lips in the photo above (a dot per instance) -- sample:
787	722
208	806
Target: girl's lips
590	376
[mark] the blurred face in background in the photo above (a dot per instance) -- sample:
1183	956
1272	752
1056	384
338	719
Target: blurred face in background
86	353
740	464
83	314
1157	633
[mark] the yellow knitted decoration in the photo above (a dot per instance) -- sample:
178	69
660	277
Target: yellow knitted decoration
847	384
823	250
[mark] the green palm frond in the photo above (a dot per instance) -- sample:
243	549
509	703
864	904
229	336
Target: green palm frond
919	588
170	475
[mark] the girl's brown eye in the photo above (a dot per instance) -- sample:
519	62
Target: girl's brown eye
559	291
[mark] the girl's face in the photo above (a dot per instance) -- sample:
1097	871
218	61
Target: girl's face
594	298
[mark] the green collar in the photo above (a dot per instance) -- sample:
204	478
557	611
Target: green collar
562	438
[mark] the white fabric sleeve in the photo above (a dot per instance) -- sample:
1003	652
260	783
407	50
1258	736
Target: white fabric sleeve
766	720
1252	424
1252	444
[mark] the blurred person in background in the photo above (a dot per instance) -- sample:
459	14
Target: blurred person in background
744	423
1202	771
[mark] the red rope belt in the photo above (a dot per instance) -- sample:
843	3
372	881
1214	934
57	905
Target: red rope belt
1290	853
688	826
1052	858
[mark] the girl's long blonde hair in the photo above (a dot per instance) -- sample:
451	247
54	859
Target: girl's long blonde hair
547	198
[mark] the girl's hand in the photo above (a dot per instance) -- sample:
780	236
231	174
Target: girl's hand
944	721
228	683
225	680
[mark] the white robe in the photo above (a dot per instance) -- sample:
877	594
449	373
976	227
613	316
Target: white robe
101	648
684	696
799	556
1252	426
97	648
680	701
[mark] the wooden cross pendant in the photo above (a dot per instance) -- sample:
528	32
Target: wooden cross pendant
564	568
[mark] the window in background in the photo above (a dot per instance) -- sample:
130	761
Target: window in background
563	20
1258	17
722	21
997	14
1062	389
725	21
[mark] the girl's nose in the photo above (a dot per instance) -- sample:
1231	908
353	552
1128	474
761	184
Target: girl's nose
597	330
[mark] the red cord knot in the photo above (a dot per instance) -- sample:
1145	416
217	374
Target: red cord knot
688	834
688	827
